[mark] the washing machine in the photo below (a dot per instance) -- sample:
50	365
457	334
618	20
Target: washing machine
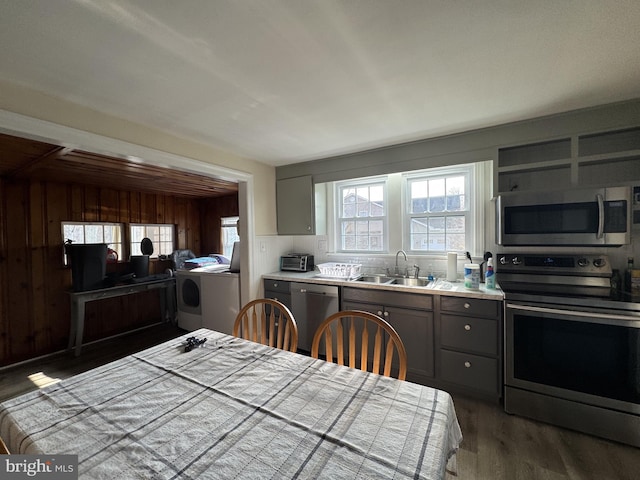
208	297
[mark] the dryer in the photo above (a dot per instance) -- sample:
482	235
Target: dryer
188	288
208	297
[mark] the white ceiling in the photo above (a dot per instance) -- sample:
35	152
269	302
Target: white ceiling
285	81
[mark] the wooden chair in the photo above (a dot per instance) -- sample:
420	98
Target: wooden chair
269	322
3	448
347	326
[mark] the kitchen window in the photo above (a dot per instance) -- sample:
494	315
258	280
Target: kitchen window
94	232
438	210
162	236
425	212
362	215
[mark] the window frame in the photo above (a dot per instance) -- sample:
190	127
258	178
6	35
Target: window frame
397	228
469	213
134	245
122	243
228	223
338	219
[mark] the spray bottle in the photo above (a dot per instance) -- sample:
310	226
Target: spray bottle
490	276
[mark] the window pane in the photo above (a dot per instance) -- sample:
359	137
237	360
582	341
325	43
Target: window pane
93	234
137	233
362	228
456	242
455	224
75	233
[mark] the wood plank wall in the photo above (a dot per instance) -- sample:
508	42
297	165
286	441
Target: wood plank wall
34	306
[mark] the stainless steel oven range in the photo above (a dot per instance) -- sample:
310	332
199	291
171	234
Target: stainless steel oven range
572	352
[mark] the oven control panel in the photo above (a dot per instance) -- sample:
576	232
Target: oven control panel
582	264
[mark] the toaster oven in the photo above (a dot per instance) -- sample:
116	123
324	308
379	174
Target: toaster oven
297	262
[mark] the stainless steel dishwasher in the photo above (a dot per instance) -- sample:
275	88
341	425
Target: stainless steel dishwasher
310	305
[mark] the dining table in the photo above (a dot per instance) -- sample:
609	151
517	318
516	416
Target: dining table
211	405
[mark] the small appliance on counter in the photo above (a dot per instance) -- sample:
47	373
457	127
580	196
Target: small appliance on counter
297	262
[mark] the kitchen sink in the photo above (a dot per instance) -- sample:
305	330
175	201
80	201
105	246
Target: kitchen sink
412	281
376	279
387	280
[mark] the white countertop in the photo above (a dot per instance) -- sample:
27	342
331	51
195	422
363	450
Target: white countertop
442	287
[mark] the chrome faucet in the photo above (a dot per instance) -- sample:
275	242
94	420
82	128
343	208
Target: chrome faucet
403	254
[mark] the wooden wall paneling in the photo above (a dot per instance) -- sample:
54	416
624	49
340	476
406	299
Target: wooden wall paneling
180	220
135	215
148	208
160	203
75	203
91	211
58	209
124	207
37	242
4	277
19	313
109	205
193	231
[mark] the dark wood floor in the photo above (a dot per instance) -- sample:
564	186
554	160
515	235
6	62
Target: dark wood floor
496	446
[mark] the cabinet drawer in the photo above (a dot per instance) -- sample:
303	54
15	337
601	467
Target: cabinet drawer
277	286
470	371
470	306
471	334
284	298
418	301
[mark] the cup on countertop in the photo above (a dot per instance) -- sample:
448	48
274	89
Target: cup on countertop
472	276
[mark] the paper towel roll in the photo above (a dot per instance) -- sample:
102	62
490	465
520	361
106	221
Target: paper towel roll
452	266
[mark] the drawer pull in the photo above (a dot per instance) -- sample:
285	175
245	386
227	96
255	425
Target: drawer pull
386	314
467	327
379	313
467	305
275	284
467	364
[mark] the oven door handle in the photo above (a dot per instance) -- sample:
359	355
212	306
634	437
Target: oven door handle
623	320
600	201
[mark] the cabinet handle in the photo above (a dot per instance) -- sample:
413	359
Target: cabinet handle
467	305
379	313
386	314
467	327
467	364
275	284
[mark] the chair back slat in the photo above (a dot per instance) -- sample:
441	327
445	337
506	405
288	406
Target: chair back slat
352	343
364	348
269	322
352	331
377	350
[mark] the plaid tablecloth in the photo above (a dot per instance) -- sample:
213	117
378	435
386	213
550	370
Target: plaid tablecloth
235	409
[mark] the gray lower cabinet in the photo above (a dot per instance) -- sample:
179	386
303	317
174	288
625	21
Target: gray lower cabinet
411	315
469	337
278	290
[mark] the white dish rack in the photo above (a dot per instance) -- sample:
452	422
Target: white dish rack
342	271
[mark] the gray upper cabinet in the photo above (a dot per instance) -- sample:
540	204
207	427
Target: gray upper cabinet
295	206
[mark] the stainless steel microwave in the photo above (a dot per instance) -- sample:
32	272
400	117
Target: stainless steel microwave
581	217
